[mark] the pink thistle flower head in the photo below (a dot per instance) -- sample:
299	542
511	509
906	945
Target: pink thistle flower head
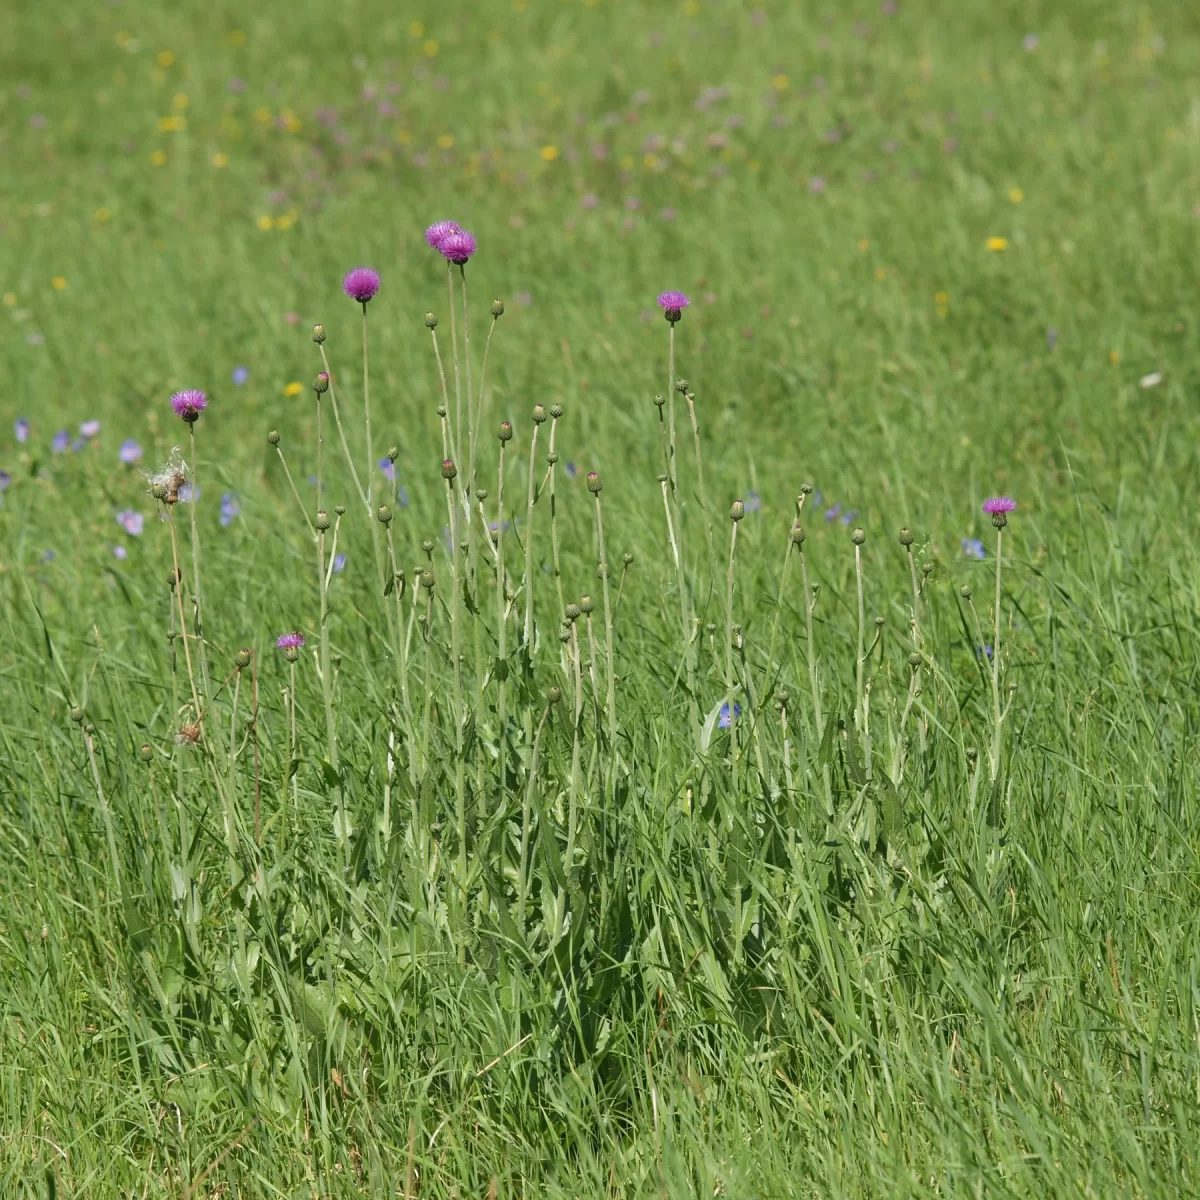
457	246
361	284
673	304
998	508
439	231
289	641
189	404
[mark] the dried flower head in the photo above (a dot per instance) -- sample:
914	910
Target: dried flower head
361	284
164	484
457	246
189	404
188	735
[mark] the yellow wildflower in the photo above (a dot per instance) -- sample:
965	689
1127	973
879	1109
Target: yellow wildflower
58	283
996	244
1016	195
164	58
781	83
549	153
446	140
101	215
158	157
181	100
265	222
430	49
293	389
219	159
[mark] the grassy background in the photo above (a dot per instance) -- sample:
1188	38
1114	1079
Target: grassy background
1003	1001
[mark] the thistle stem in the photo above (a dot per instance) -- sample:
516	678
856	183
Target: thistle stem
337	416
733	729
197	602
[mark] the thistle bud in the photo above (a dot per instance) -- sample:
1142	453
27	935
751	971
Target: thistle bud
291	653
573	612
340	509
593	483
77	715
564	632
430	321
661	477
554	695
659	401
318	334
906	537
441	410
504	433
782	698
965	592
384	514
322	521
602	570
556	411
806	489
914	661
539	414
159	491
552	457
174	576
273	437
858	536
737	510
585	605
972	755
880	622
393	453
242	658
427	546
449	470
681	386
481	494
627	559
427	580
146	753
497	308
798	535
320	383
927	568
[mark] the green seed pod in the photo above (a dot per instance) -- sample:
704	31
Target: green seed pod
737	510
242	658
384	514
322	521
497	308
858	536
318	334
430	321
273	437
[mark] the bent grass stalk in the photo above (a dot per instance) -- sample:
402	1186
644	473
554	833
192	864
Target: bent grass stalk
337	416
501	625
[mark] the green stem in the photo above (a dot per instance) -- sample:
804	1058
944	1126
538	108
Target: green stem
526	817
197	603
337	416
733	725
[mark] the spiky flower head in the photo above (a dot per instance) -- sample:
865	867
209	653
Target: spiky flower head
627	559
166	483
449	470
384	514
242	658
673	304
556	411
361	284
593	483
322	521
858	536
497	309
504	433
289	641
318	334
573	612
586	604
798	535
998	508
439	231
539	414
906	537
273	437
457	247
431	321
320	384
189	404
737	511
146	753
188	735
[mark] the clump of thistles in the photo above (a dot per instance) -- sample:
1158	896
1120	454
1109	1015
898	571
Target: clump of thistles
673	304
998	508
189	404
457	247
361	284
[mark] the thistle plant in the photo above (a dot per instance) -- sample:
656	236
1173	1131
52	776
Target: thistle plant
998	508
188	405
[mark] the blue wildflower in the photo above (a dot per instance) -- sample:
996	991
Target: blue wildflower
973	548
753	501
402	496
120	552
131	521
230	507
339	563
21	429
832	514
240	375
62	439
130	451
725	720
89	429
388	468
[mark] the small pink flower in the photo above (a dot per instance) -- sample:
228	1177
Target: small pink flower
361	284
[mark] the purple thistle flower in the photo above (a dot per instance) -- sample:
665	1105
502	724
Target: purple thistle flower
973	548
439	231
388	468
132	521
289	641
21	429
673	304
457	247
339	563
725	719
129	452
240	375
999	504
230	507
120	552
189	404
89	429
361	284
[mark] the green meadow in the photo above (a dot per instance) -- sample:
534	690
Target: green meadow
671	781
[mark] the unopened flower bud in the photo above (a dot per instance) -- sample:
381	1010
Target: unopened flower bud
427	580
242	658
392	454
914	660
972	754
291	653
880	622
806	489
427	546
556	411
659	401
340	509
573	612
449	470
927	568
481	494
737	510
441	410
602	570
430	321
77	715
782	698
906	537
552	457
661	477
681	386
322	521
384	514
504	433
554	695
539	414
318	334
159	491
593	483
146	753
273	437
564	632
798	535
965	592
627	559
320	383
586	605
174	576
497	308
858	536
